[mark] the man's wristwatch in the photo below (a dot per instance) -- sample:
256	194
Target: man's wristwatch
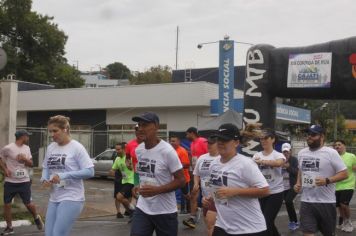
327	181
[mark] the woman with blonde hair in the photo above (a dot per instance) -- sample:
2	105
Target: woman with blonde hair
65	166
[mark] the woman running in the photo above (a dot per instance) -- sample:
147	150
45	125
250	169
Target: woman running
65	166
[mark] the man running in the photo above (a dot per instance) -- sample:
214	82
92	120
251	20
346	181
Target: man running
320	167
161	173
345	188
16	161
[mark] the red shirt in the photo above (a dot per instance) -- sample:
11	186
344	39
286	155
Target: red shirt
199	147
130	151
184	159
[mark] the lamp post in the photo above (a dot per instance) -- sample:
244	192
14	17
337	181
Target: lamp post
226	72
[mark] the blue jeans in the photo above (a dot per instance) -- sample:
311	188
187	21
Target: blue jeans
60	217
164	224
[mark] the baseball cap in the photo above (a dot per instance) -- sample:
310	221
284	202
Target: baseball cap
192	130
148	117
316	129
21	132
211	140
286	147
227	132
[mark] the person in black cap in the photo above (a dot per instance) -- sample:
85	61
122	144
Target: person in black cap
161	173
16	161
235	185
320	167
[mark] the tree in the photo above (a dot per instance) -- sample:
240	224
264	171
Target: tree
33	43
155	75
117	70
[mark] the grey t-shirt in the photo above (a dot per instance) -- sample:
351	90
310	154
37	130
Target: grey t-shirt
156	167
324	162
273	175
238	215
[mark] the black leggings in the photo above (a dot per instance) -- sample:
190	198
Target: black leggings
289	196
270	207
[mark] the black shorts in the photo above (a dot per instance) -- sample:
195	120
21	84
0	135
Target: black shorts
316	217
344	196
126	190
22	189
117	188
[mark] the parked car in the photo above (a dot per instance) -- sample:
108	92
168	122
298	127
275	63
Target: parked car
103	163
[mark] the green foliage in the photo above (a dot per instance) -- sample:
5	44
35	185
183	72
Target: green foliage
33	43
155	75
117	70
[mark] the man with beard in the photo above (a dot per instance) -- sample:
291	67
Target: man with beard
320	168
16	161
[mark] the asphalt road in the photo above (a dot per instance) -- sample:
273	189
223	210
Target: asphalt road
98	218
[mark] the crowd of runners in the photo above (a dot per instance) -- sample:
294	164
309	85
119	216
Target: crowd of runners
235	194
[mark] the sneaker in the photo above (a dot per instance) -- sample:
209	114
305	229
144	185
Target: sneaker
119	215
7	231
199	213
126	213
190	222
293	225
39	222
347	227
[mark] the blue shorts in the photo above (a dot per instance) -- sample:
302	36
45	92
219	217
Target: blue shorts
22	189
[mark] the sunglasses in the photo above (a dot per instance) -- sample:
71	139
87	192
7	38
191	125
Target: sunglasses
312	134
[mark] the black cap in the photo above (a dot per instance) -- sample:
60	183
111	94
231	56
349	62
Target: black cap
148	117
212	140
227	132
192	130
21	132
316	129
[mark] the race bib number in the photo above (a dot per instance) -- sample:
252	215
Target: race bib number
218	200
20	173
308	180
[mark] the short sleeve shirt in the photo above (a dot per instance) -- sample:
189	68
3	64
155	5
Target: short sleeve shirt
156	167
202	169
60	159
127	174
323	162
184	159
273	175
350	161
238	215
130	151
198	147
19	172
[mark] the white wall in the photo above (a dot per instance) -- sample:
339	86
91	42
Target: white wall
21	119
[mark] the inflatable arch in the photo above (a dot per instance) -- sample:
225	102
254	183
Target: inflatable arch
321	71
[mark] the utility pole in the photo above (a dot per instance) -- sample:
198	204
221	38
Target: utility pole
177	40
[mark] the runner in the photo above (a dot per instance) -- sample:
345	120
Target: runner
345	188
124	165
235	184
184	159
290	173
65	166
198	147
161	173
202	176
320	168
270	163
16	161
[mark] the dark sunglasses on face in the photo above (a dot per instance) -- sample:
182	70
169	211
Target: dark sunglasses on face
312	134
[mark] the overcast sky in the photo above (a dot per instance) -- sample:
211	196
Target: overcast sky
142	33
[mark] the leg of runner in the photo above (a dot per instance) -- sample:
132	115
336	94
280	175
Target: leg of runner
8	215
191	221
210	219
289	196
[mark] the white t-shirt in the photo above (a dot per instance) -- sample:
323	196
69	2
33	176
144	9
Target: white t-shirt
273	175
238	215
202	169
61	159
19	172
155	167
324	162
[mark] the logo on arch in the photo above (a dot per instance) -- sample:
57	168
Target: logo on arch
352	60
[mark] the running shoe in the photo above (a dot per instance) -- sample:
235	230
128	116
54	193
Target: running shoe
190	223
347	227
7	231
126	213
39	222
293	225
119	215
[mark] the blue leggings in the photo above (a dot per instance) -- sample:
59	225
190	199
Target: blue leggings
60	217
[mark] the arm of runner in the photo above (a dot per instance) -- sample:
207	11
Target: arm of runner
273	163
321	181
4	168
196	183
298	186
21	158
177	182
78	174
228	192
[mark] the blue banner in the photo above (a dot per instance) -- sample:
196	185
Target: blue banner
293	114
226	75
